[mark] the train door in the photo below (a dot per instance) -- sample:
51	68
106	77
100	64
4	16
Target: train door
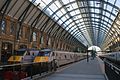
6	51
27	57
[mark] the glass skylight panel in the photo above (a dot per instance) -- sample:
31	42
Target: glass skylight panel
60	22
70	20
63	10
67	28
91	3
72	13
105	23
97	11
103	17
109	8
102	22
59	13
84	15
112	17
63	18
92	19
86	22
107	14
96	15
82	10
72	28
104	12
58	4
115	11
79	16
105	6
97	4
106	19
55	17
75	30
75	5
72	32
77	21
70	25
92	9
85	19
92	15
67	16
111	1
110	21
82	26
118	3
82	23
77	11
48	12
67	23
54	7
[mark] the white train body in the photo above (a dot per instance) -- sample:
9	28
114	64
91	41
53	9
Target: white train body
62	57
58	57
112	55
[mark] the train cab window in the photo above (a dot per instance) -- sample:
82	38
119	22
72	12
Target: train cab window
47	53
41	53
44	53
20	53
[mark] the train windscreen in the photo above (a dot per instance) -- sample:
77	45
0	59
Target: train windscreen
19	53
44	53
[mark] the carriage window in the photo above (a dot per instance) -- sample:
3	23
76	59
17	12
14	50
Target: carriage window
65	56
53	54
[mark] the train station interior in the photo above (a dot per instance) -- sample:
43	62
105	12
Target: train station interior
59	39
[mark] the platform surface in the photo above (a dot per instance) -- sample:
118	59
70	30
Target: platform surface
82	70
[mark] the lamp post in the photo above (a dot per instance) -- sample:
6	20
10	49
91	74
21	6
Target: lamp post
87	54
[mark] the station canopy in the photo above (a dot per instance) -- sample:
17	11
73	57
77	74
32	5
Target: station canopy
88	21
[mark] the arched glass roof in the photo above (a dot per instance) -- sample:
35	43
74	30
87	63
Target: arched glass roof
88	20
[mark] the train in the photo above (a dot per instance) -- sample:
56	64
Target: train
114	56
45	55
40	61
60	57
23	55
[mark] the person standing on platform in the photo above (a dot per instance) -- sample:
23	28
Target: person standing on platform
93	54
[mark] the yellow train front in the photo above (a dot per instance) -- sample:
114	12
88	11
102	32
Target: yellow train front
46	59
23	56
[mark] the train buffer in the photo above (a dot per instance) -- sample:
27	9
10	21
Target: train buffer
83	70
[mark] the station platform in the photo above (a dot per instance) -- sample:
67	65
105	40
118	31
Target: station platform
83	70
